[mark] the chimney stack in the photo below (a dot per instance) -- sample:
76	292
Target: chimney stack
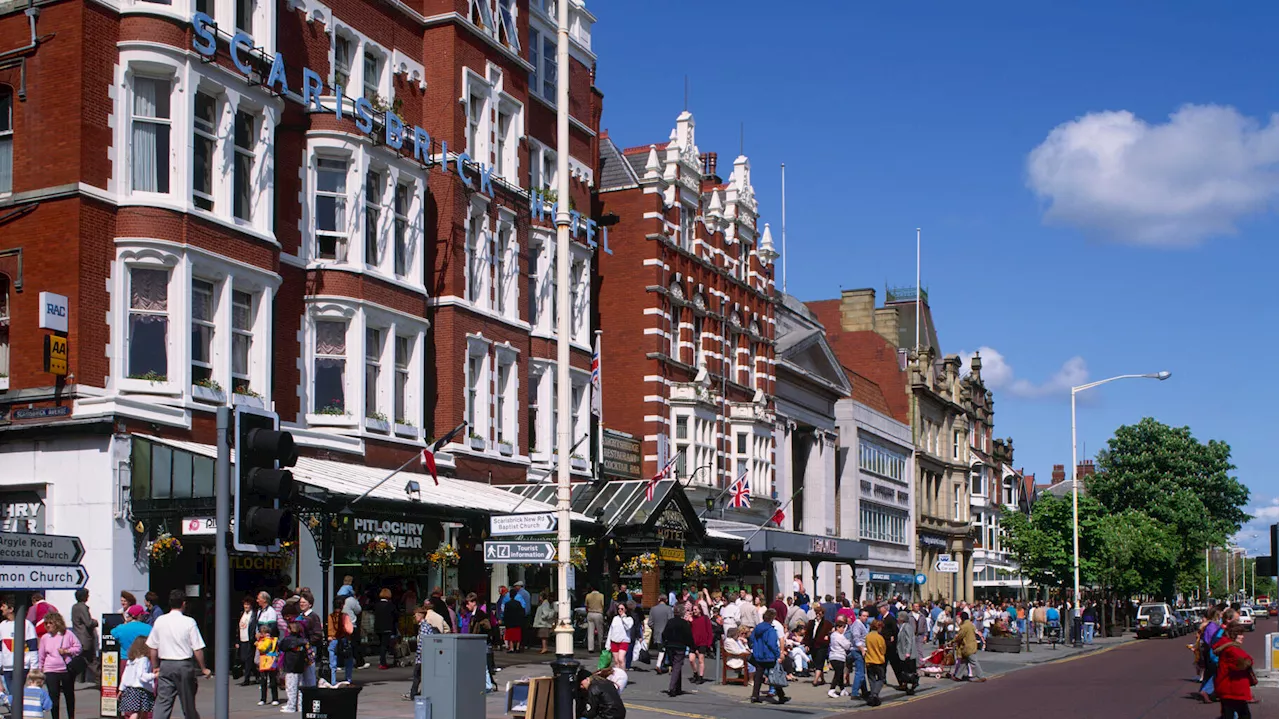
708	163
1085	469
1059	474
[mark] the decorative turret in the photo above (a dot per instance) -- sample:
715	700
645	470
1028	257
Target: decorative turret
767	253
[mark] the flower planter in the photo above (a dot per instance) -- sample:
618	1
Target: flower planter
208	394
578	463
246	400
331	420
405	430
373	424
477	443
505	449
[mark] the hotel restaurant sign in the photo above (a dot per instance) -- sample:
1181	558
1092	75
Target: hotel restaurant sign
621	458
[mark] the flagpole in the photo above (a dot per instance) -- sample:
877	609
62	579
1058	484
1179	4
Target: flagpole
783	508
917	290
723	492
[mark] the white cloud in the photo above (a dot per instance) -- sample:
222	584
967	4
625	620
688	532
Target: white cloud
998	374
1176	183
1256	534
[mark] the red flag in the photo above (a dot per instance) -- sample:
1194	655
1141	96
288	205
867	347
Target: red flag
661	475
429	461
778	516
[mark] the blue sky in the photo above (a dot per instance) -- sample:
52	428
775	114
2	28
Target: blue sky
1077	220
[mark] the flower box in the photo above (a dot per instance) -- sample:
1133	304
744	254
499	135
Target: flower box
330	420
4	383
477	443
247	400
405	430
208	394
373	424
506	449
578	463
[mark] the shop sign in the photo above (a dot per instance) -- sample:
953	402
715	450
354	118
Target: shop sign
671	554
199	526
394	133
931	540
671	524
21	512
257	562
621	458
53	312
403	535
820	545
861	576
55	355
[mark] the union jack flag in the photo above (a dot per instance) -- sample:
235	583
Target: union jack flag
662	474
740	492
596	399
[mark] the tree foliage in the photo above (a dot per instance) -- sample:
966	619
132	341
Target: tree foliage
1135	554
1042	543
1182	484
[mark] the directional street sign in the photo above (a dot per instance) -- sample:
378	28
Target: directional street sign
30	577
506	525
950	567
519	552
40	548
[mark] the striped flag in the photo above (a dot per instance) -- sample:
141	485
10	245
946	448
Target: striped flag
740	492
428	458
662	474
596	400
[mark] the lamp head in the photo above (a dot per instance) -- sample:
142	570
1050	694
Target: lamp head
1162	376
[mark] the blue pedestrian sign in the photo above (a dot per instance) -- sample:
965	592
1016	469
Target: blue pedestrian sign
921	579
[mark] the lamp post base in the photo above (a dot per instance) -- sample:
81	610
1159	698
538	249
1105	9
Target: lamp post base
565	670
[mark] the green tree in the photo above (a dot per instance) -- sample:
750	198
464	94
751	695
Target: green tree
1178	481
1042	543
1135	554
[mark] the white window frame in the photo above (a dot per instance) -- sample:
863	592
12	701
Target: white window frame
477	398
700	445
164	164
506	414
6	141
374	350
252	155
343	228
374	200
506	270
208	135
478	272
211	323
245	334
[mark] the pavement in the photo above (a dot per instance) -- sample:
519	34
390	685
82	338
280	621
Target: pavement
1118	677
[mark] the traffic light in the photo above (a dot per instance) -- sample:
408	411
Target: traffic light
263	488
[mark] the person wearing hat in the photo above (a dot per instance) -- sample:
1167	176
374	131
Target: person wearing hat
135	625
522	596
351	607
598	697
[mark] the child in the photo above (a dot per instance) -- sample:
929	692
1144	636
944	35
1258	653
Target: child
35	699
138	682
268	665
294	647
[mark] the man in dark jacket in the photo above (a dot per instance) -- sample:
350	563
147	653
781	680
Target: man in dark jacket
818	641
890	634
658	619
677	640
600	697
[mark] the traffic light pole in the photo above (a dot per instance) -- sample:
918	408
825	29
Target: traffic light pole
222	570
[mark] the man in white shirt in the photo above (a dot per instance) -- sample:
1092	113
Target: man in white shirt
729	615
174	642
31	658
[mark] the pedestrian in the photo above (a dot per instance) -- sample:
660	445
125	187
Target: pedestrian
426	627
84	626
1235	674
313	629
620	635
57	650
905	671
678	639
1087	617
175	642
38	611
339	631
132	628
838	651
138	682
384	627
966	643
153	610
127	600
704	638
598	697
294	649
817	641
595	618
858	631
513	622
1207	638
269	662
544	619
876	659
35	698
658	618
767	650
246	641
352	608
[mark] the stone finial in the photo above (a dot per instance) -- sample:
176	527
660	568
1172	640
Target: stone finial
653	166
715	208
767	253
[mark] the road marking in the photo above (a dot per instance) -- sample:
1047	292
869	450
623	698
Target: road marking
671	712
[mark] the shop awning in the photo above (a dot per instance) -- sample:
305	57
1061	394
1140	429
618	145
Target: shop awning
345	478
622	503
774	543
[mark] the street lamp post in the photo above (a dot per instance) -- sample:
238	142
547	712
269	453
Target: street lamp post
1075	476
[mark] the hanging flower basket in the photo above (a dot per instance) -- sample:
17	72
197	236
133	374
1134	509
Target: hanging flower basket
695	568
717	568
165	549
379	550
444	556
288	548
646	562
577	557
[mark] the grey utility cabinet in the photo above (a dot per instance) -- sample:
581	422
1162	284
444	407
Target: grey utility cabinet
453	669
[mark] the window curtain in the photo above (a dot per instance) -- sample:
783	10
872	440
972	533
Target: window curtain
148	326
150	145
331	338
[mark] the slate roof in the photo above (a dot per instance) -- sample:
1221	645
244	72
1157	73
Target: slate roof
616	171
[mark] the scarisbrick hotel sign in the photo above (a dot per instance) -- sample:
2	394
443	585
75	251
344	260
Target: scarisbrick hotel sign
395	134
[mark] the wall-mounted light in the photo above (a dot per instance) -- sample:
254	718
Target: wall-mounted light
414	490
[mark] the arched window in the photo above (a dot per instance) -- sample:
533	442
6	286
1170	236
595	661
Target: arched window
6	146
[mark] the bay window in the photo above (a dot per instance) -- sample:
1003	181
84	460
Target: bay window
329	389
203	311
331	208
372	215
242	319
148	324
150	136
205	133
372	372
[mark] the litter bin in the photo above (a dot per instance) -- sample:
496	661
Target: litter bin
338	703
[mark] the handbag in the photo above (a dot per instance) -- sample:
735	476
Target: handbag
776	676
77	664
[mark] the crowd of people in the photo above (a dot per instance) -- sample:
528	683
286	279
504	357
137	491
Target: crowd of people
1224	668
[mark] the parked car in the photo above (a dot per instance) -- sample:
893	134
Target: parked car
1271	610
1246	618
1156	620
1178	625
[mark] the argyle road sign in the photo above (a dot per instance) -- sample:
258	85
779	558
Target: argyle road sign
29	577
40	548
519	552
505	525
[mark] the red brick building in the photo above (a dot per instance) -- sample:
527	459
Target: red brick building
222	236
687	303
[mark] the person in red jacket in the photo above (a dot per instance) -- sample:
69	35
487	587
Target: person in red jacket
1235	678
704	637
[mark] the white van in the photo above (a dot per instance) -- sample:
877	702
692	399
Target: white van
1155	620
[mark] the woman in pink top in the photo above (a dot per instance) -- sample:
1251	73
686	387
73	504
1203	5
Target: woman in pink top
57	648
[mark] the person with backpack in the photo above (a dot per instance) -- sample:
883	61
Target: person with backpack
294	649
268	665
766	652
340	631
1209	636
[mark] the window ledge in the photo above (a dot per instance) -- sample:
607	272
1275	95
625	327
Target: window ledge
208	394
330	420
142	386
374	424
4	384
407	431
245	400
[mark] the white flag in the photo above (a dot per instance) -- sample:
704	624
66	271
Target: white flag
596	399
